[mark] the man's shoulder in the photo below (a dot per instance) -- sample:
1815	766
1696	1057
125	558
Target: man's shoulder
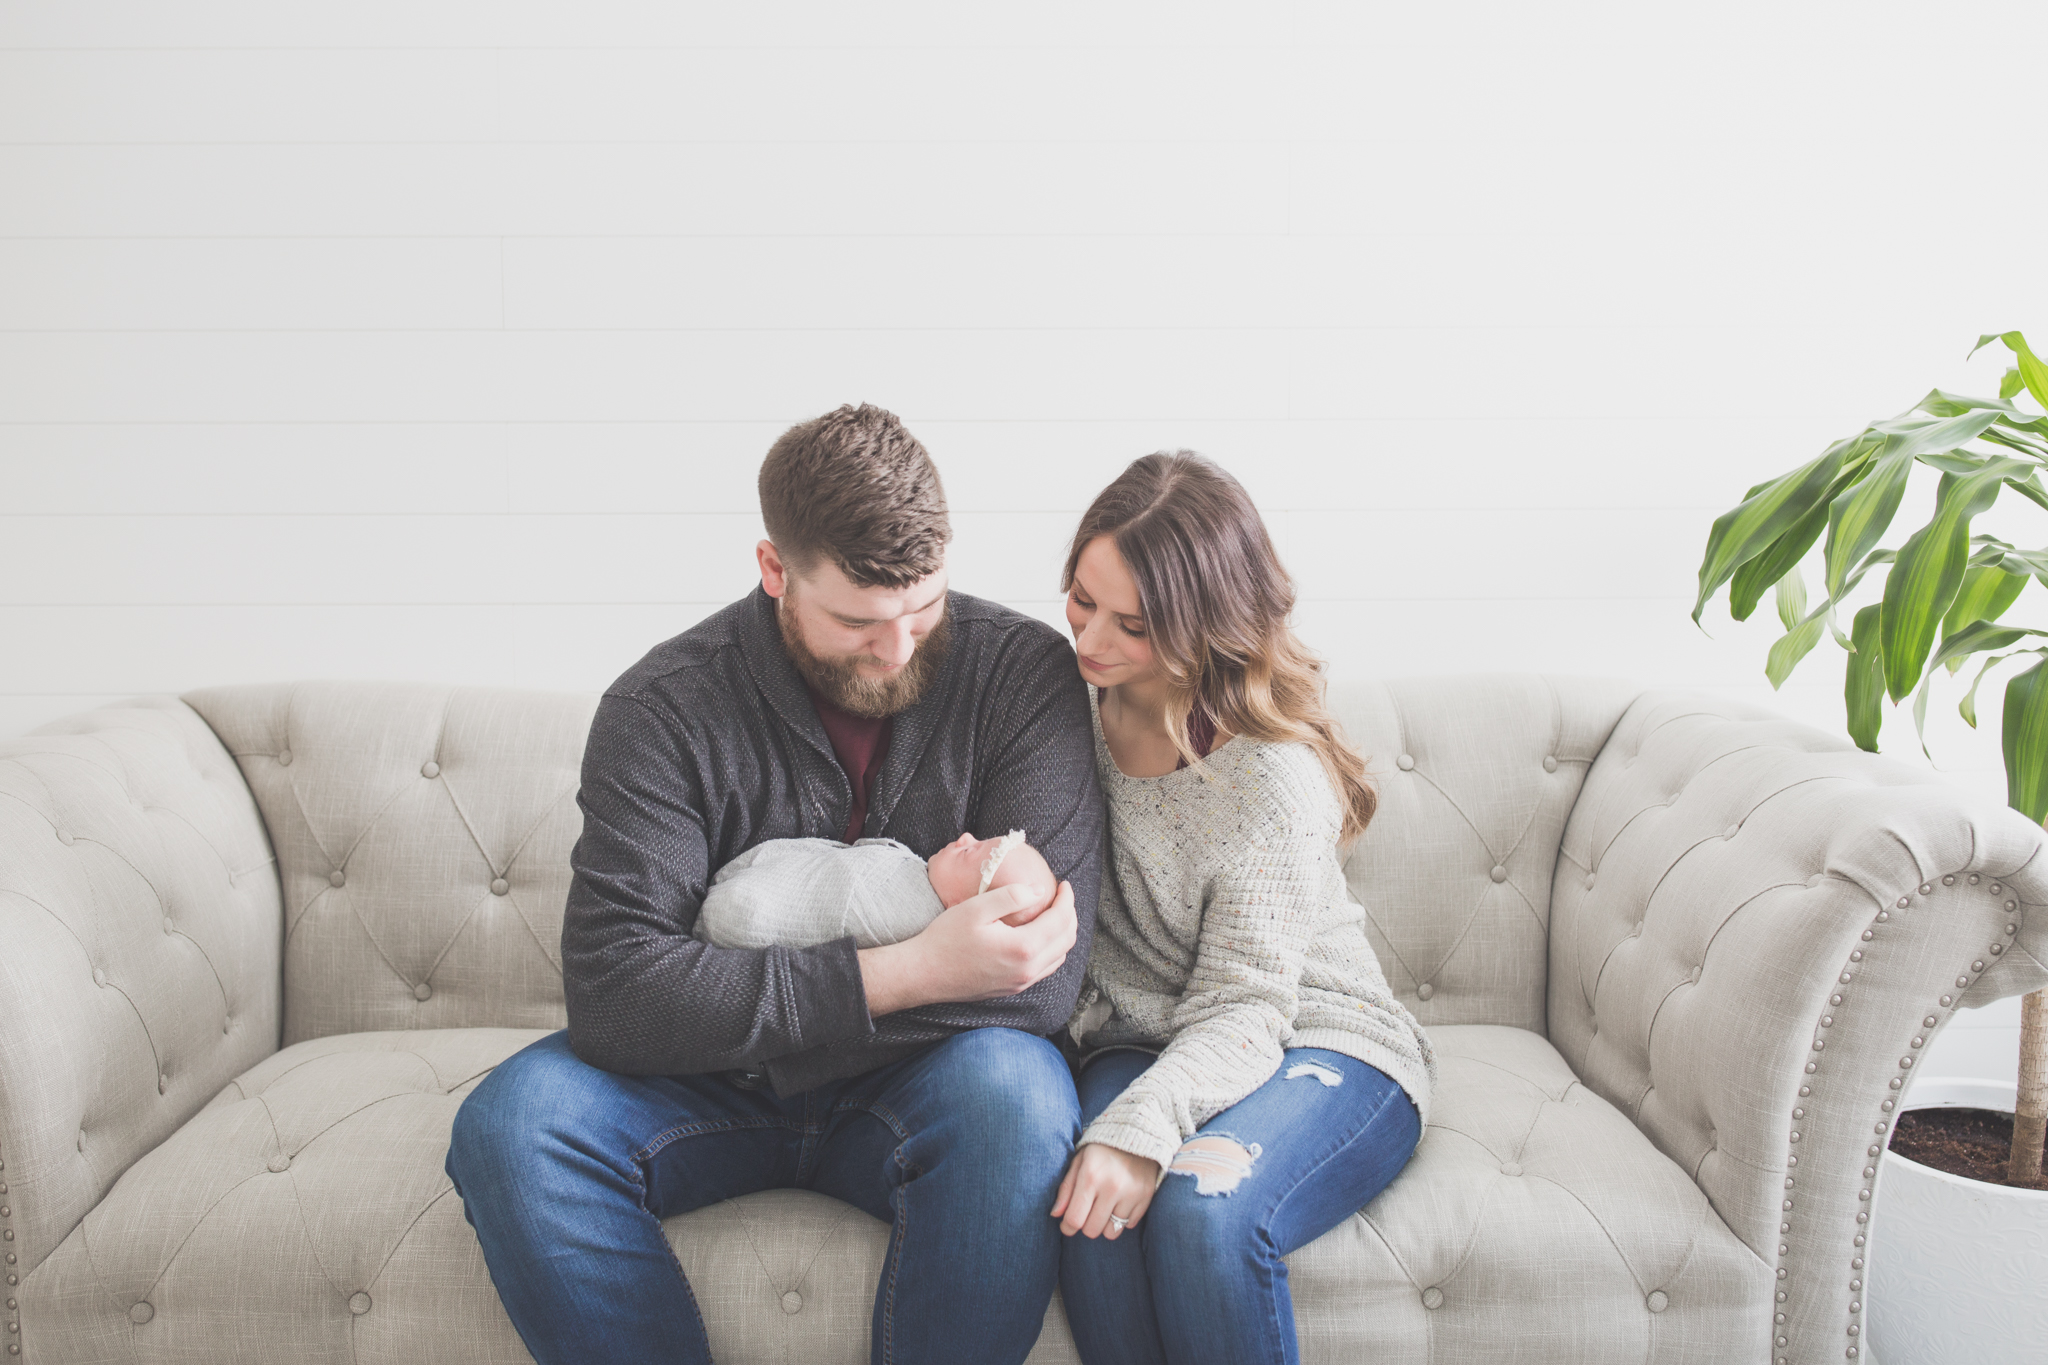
704	660
980	625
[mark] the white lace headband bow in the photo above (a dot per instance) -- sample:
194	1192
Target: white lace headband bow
996	856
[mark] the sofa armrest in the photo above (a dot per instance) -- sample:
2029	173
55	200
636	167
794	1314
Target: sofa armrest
139	951
1756	930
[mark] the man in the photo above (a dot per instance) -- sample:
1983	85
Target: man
851	696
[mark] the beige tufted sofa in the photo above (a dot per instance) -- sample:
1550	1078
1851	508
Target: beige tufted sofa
1677	955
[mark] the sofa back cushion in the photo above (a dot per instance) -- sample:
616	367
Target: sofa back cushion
138	952
423	837
1477	775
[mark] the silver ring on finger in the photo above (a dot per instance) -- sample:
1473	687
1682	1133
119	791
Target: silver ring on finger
1118	1223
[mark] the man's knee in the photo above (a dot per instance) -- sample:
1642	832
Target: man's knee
515	1110
1013	1091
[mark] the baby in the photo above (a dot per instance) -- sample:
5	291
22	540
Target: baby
796	892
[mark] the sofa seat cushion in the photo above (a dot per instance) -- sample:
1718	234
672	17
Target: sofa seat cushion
1535	1223
304	1215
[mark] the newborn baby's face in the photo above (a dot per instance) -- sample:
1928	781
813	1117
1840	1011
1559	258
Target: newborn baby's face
955	870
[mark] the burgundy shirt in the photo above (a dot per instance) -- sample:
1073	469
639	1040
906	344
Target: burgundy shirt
860	745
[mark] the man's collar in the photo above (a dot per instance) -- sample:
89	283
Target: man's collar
769	664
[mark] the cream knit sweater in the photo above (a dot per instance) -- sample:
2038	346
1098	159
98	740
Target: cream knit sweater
1225	934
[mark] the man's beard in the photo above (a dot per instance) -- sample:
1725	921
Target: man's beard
840	682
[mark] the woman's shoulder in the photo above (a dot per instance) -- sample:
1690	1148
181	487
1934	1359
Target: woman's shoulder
1280	783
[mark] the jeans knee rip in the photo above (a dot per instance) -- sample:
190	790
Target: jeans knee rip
1218	1162
1316	1069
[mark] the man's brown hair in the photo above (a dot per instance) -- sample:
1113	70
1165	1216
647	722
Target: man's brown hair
857	488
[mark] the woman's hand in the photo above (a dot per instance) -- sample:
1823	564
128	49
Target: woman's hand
1101	1181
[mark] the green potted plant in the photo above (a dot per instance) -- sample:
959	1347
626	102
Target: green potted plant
1949	1265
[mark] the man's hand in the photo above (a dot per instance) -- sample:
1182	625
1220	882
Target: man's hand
1100	1181
987	947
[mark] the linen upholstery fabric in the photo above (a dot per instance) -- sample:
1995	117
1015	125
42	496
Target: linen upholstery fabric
423	838
138	952
1653	1132
1757	929
1476	775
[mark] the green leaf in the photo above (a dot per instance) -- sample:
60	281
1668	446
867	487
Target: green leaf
2025	742
1745	531
1792	598
2032	372
1858	517
1863	688
1967	708
2030	488
1984	596
2012	383
1965	462
1980	637
1942	403
1912	435
1920	715
1780	555
1794	645
1924	580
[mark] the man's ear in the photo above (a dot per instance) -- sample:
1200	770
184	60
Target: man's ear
774	576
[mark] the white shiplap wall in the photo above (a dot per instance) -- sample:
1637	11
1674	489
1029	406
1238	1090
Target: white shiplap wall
442	341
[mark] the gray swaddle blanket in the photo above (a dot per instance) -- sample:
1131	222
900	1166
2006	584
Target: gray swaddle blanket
796	892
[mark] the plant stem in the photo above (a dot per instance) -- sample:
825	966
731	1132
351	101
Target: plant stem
2030	1107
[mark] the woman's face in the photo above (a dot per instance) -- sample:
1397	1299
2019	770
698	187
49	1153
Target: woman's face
1102	611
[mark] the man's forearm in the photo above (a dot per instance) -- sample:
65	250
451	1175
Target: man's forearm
889	975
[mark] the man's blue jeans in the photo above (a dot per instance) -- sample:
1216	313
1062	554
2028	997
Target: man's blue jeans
566	1172
1199	1278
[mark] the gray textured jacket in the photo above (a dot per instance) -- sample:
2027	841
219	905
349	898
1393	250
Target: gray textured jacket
710	745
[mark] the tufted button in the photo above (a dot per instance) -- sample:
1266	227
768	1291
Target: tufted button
1658	1301
279	1163
284	758
430	769
1949	880
792	1302
1973	879
1432	1297
1499	873
1815	880
1405	763
163	1082
99	976
423	992
141	1312
1905	901
1731	831
359	1303
1695	976
1511	1168
1590	879
337	878
64	838
170	925
1424	991
500	887
1550	763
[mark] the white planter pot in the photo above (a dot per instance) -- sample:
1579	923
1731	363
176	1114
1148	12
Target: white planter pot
1958	1268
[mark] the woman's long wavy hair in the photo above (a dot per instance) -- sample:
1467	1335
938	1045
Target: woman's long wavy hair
1216	602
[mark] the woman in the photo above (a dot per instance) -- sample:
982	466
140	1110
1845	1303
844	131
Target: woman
1247	1080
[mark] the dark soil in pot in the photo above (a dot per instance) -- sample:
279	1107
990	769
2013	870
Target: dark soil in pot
1973	1143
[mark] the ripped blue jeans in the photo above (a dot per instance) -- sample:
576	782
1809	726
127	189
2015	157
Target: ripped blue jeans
1200	1279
